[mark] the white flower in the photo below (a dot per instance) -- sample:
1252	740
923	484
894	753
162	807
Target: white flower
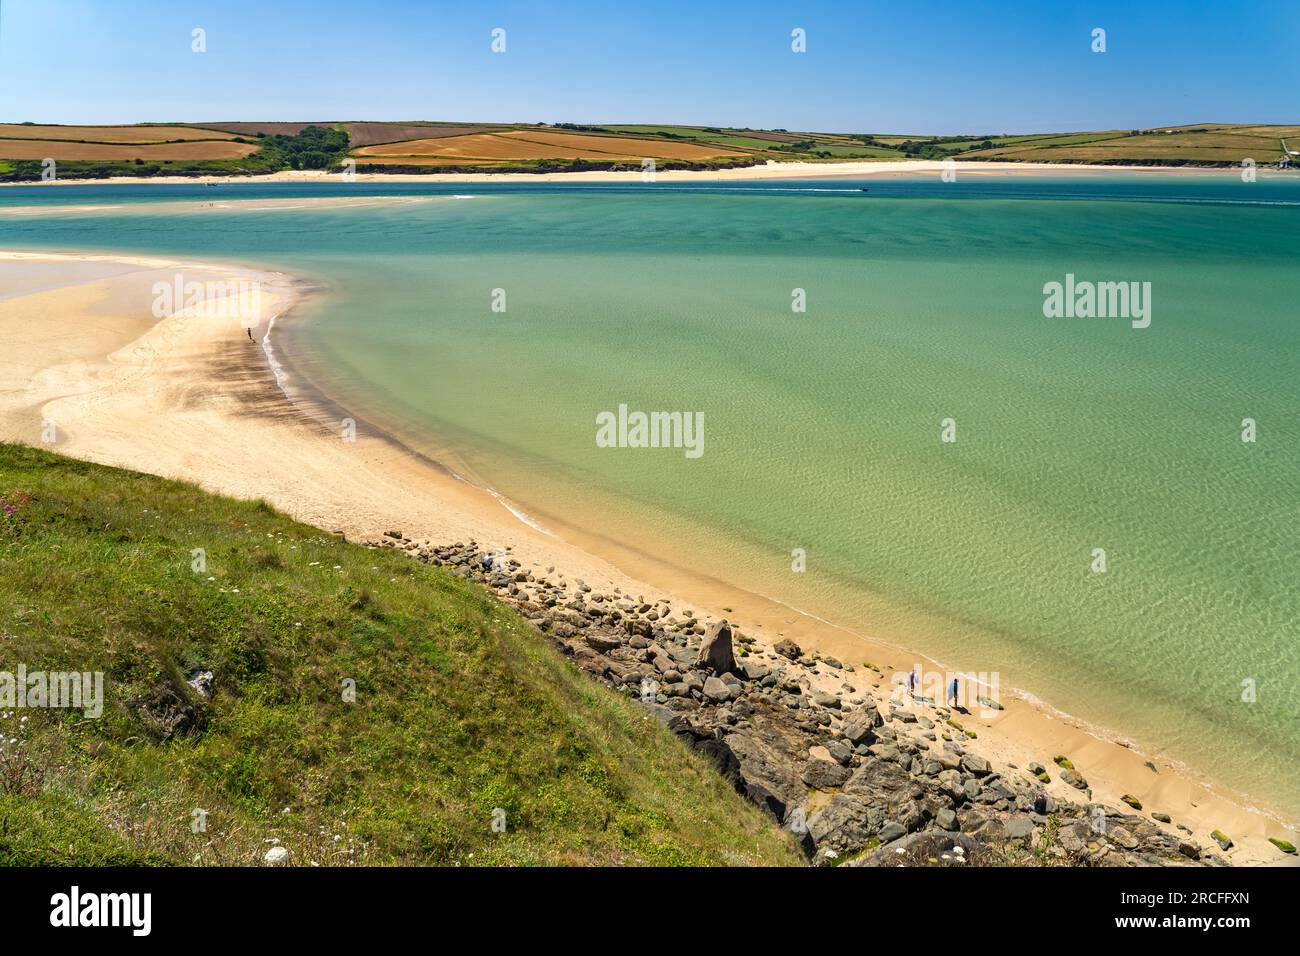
276	855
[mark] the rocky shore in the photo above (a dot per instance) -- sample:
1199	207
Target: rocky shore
835	752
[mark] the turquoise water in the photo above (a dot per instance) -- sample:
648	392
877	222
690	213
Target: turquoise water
822	428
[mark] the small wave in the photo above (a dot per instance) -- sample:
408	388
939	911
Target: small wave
521	515
277	369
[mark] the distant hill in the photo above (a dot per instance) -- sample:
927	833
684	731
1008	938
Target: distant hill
245	148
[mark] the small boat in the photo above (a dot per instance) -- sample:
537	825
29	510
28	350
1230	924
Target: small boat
863	189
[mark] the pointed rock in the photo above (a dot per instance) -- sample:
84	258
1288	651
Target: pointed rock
716	651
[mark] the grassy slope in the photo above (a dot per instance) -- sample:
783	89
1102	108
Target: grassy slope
460	708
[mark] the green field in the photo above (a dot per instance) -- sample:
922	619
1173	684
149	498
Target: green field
460	707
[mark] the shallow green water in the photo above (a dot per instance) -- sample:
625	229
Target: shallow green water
822	428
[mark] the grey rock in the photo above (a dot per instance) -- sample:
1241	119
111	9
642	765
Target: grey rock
788	648
975	764
891	831
1018	828
823	699
716	690
825	775
839	751
1074	779
716	650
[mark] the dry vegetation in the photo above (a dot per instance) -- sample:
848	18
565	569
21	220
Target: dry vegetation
124	152
360	134
110	134
544	144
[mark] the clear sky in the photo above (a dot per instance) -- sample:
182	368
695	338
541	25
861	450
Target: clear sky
907	66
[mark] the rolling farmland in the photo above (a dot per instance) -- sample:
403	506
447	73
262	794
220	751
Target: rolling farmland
61	150
538	144
111	134
245	148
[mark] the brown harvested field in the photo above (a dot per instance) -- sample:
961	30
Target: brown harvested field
482	146
361	134
373	134
628	146
110	134
364	161
50	149
544	144
267	129
774	137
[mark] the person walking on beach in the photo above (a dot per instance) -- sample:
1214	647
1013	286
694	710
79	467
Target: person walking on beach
952	693
911	684
250	334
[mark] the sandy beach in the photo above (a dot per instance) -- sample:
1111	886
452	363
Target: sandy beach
197	395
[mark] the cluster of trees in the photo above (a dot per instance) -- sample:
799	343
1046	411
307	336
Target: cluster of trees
580	127
867	140
315	147
804	146
937	147
1145	132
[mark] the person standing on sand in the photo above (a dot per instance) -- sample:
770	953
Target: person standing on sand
911	684
952	693
250	334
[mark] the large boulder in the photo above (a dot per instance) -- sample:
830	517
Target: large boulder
1018	828
825	775
716	690
716	651
825	699
768	757
844	825
975	764
1074	779
788	648
861	727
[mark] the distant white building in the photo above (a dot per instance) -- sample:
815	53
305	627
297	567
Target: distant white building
1287	154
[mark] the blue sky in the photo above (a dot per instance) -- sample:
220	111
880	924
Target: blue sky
909	66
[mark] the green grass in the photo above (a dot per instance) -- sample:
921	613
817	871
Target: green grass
460	708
